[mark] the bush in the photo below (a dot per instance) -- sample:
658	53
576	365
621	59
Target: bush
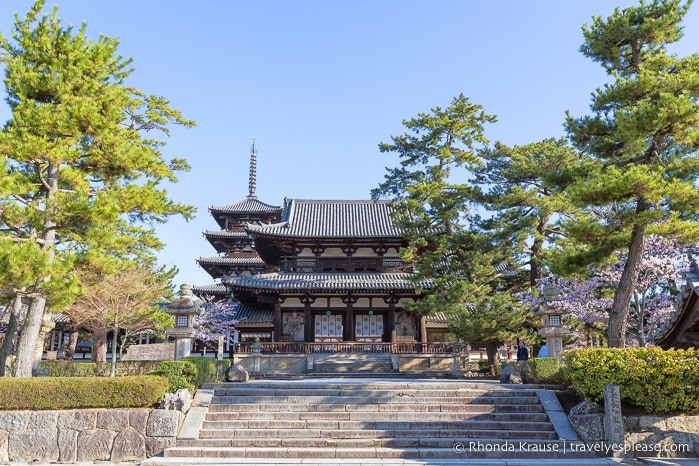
42	393
91	369
180	374
652	379
206	369
546	370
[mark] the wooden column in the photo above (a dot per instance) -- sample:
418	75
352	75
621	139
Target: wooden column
391	300
423	329
308	331
277	321
348	329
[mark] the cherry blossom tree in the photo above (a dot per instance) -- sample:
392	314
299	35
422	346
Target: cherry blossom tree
655	295
216	319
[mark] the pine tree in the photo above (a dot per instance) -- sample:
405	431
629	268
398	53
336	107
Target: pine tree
79	172
642	142
522	189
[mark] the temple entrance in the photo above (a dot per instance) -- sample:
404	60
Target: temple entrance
369	327
328	327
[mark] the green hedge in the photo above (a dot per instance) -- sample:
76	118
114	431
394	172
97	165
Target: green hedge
180	374
91	369
653	379
546	370
206	369
42	393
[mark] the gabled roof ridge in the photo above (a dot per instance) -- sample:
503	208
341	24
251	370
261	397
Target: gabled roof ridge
247	202
338	201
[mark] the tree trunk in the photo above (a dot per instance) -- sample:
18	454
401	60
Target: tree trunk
8	345
115	342
619	316
491	349
536	258
99	345
26	346
72	344
25	361
47	325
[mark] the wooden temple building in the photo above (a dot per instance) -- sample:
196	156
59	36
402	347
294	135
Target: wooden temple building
316	272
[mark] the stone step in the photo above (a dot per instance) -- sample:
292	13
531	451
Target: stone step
482	449
372	385
377	400
346	412
424	420
395	442
408	423
311	416
373	393
485	431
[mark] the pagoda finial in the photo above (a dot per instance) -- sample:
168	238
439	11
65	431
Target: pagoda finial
252	183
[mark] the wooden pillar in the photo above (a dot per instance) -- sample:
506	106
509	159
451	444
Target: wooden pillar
277	321
423	329
348	329
308	330
391	301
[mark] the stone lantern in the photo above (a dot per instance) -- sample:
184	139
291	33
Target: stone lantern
183	309
552	317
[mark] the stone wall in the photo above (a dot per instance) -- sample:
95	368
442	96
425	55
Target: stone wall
150	352
272	364
665	436
644	436
86	435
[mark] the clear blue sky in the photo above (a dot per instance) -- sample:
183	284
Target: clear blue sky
318	84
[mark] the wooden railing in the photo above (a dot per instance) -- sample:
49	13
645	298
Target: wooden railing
308	348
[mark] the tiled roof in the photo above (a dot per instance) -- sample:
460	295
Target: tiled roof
437	318
293	281
249	314
231	260
203	290
684	319
225	234
249	204
303	218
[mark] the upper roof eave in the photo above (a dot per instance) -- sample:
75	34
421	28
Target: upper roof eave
248	205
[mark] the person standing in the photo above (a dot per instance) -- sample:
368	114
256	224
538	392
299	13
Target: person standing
522	351
522	358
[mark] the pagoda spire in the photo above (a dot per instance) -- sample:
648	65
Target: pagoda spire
252	183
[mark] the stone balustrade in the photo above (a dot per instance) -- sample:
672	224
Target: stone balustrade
70	436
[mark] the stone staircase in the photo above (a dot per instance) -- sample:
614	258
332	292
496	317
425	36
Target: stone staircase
347	364
425	420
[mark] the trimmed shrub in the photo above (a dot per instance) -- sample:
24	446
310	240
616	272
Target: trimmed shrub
652	379
42	393
91	369
180	374
70	369
546	370
206	369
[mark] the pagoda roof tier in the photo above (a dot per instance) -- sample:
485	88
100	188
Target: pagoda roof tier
237	261
210	290
332	219
224	234
223	240
220	266
248	205
331	282
249	208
